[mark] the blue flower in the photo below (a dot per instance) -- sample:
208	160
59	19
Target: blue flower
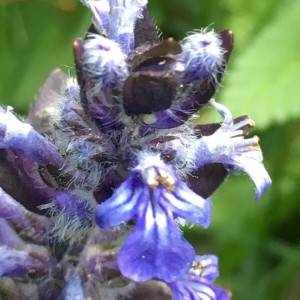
154	196
197	284
229	147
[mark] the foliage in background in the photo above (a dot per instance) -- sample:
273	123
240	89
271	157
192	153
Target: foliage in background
258	242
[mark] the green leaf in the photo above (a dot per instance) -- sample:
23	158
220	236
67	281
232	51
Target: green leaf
264	80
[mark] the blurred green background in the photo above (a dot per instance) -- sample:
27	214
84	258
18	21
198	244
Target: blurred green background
258	242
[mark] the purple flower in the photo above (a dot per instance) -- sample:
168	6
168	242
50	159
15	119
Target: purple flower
197	284
228	146
154	195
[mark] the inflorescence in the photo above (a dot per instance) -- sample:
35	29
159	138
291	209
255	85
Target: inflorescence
98	178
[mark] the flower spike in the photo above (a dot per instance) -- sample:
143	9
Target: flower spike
228	146
197	283
94	191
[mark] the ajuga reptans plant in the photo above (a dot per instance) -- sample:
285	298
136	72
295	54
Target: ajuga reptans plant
98	179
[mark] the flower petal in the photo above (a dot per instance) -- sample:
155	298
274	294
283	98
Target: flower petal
197	288
255	170
187	204
156	248
228	146
123	204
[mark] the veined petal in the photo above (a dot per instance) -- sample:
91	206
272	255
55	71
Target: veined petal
187	204
156	248
171	192
123	204
194	289
197	283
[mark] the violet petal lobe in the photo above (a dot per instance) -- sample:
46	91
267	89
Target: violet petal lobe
169	191
156	248
187	204
123	204
197	288
197	283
